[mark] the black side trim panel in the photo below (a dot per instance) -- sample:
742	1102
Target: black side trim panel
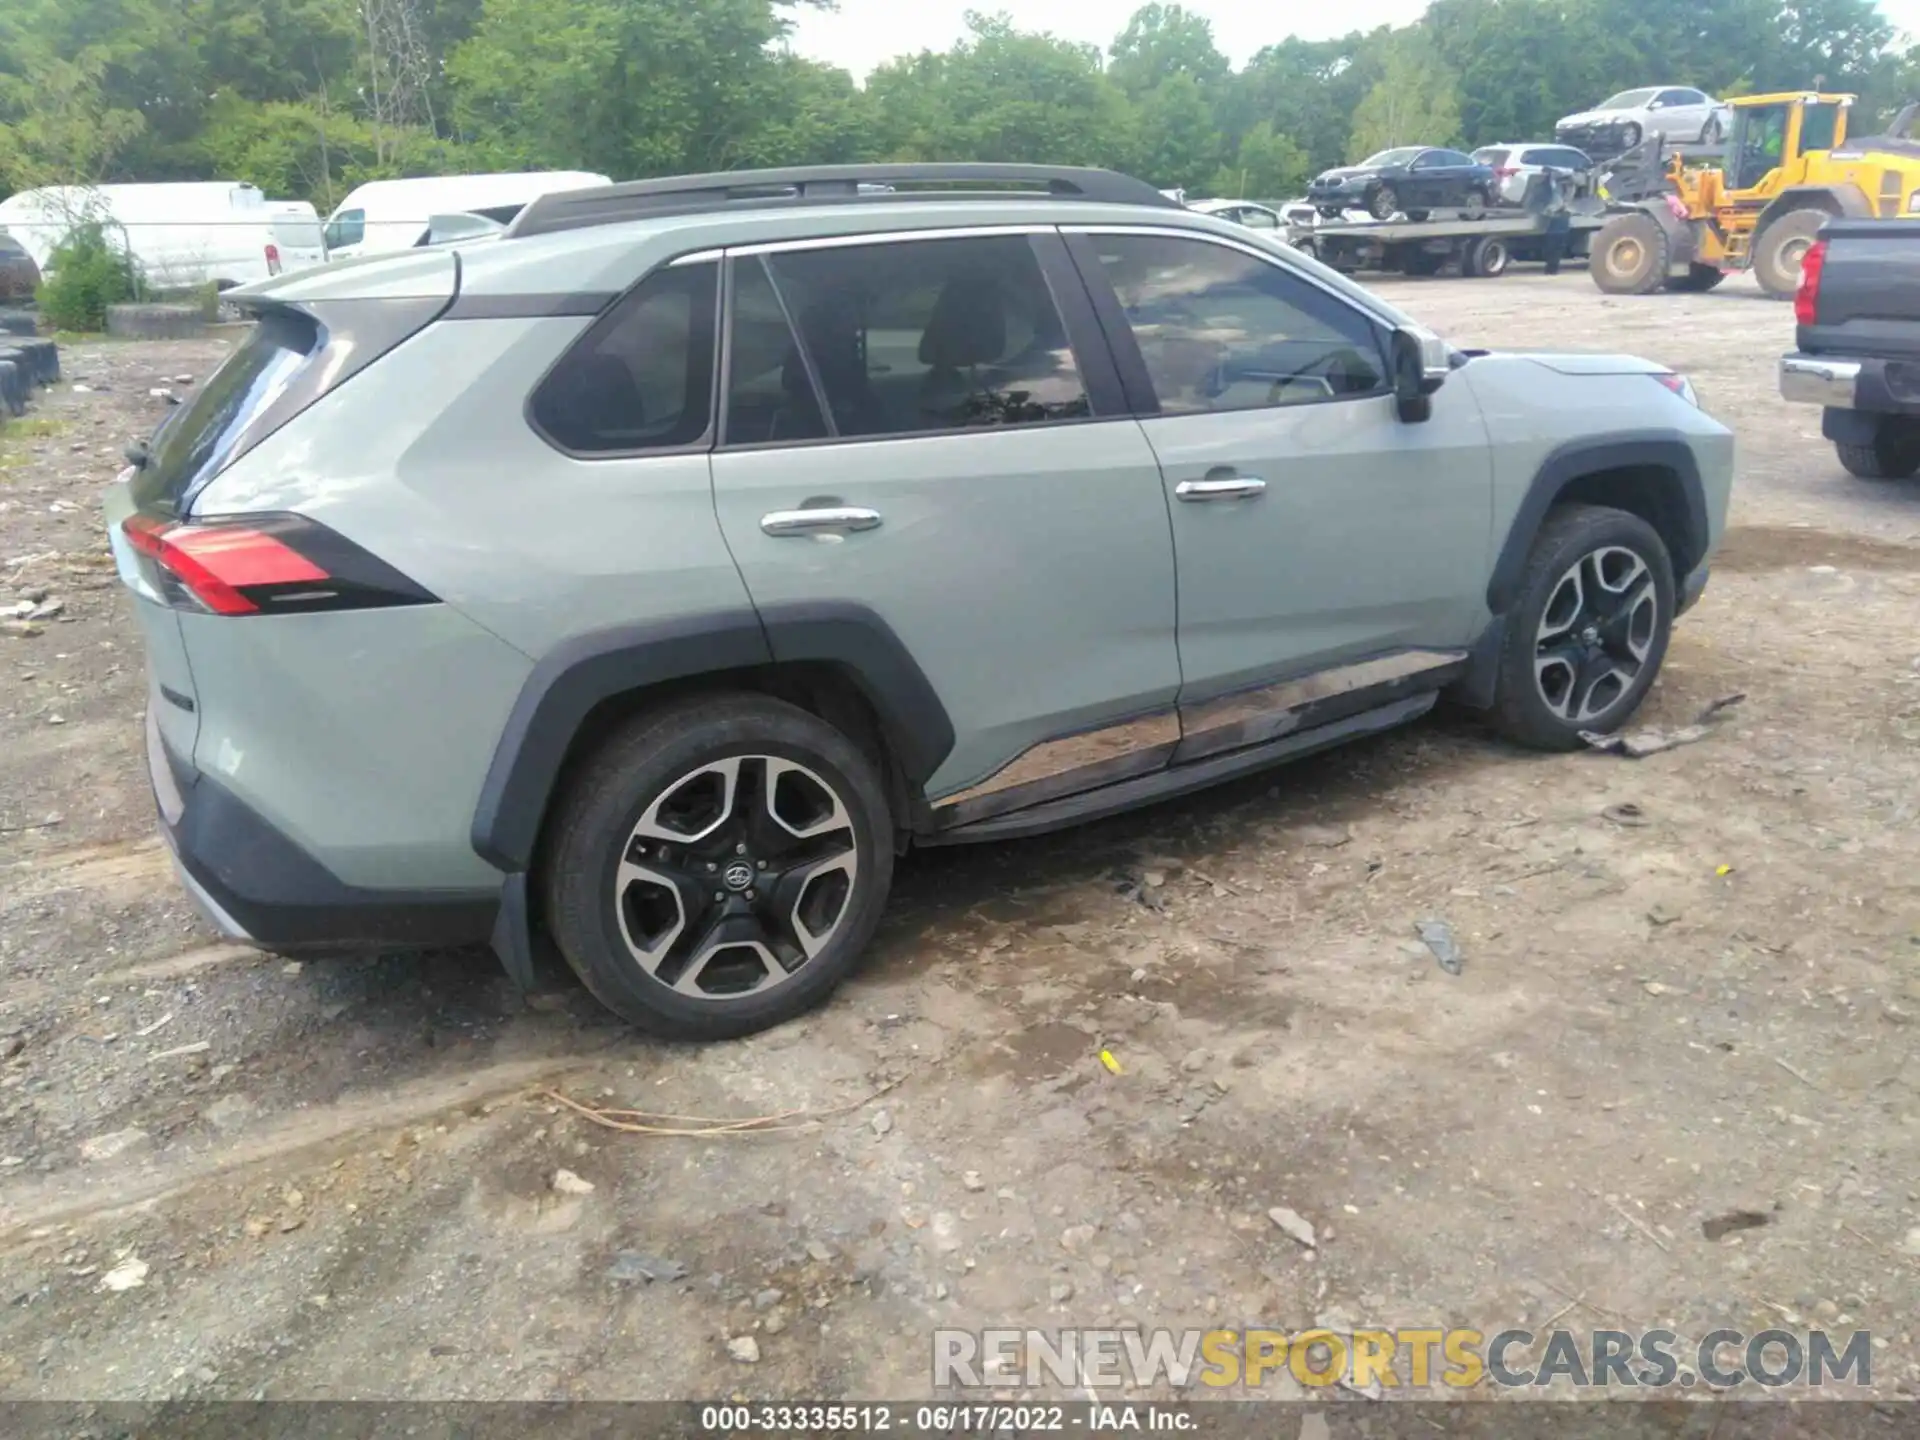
1167	784
564	688
1135	381
282	896
1654	449
1105	394
860	644
529	307
562	691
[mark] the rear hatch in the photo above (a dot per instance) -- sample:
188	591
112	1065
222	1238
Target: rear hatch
313	333
299	243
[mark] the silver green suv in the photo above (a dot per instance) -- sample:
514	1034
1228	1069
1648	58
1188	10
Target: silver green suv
645	578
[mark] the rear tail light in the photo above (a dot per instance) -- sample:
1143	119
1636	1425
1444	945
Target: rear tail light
1507	172
273	259
1806	303
265	565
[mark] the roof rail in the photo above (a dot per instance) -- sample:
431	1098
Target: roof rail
827	184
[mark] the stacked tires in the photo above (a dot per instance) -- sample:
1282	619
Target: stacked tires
25	361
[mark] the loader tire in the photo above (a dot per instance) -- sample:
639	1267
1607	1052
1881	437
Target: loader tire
1781	249
1631	255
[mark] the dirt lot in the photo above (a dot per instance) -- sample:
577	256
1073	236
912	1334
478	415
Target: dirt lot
338	1176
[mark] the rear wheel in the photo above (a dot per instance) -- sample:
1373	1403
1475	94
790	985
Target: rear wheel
1630	257
1699	278
1479	201
1712	134
718	866
1590	630
1893	453
1486	258
1781	249
1383	203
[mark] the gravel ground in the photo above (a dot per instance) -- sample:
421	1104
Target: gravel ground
1689	990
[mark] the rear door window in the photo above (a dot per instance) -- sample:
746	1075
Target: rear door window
914	336
197	440
297	232
641	378
1494	157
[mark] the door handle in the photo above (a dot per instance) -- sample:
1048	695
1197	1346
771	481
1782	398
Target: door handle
826	519
1237	487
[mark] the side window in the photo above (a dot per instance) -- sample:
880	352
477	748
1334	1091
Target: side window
915	336
1221	330
1259	220
1451	157
1694	97
349	227
1429	160
1818	124
641	378
1671	98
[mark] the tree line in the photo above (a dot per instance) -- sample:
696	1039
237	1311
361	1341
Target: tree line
306	98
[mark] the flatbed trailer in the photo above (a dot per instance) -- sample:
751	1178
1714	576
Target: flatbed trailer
1477	248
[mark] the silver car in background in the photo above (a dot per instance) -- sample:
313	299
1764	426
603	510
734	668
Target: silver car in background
1515	165
1677	113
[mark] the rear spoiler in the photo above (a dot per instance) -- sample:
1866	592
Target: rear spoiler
459	225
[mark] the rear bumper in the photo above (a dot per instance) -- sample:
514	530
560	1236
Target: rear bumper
1827	380
257	886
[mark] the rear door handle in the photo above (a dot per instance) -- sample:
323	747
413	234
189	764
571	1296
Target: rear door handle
1239	487
827	519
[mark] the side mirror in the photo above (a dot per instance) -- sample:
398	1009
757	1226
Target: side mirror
1420	367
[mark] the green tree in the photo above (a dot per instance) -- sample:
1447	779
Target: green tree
1162	41
1002	94
1266	167
1414	102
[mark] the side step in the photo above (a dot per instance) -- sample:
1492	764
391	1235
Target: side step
1183	780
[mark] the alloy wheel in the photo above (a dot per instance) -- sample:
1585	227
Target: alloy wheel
736	876
1596	633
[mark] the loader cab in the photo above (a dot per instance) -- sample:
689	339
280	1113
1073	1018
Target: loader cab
1777	132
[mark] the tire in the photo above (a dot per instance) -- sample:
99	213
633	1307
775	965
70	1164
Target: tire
1631	256
1698	280
1893	454
1568	668
1631	135
1331	212
14	383
1419	217
44	360
1383	203
1780	249
1711	133
621	803
1486	258
18	322
1478	203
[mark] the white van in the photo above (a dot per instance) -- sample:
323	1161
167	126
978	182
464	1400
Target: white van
396	214
180	235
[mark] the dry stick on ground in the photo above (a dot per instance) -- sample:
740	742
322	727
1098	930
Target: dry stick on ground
642	1122
1799	1075
1638	1224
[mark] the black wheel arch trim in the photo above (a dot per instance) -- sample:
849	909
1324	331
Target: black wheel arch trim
1649	449
565	687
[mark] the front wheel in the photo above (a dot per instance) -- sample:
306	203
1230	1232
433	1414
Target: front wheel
718	866
1383	203
1589	631
1631	255
1780	251
1631	135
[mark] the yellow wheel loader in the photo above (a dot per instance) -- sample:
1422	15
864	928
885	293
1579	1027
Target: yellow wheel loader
1788	168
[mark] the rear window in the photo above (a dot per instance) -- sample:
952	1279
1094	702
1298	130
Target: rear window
1495	158
298	232
198	440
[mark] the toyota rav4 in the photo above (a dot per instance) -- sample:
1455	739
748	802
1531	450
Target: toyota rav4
646	577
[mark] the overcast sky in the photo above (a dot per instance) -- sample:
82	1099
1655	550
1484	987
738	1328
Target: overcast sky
863	33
